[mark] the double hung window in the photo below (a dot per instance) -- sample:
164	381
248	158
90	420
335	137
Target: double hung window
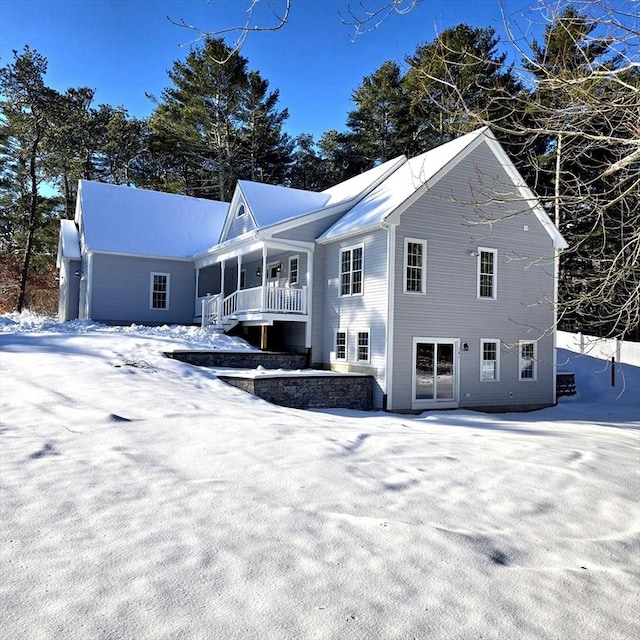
415	265
363	346
487	261
341	345
159	293
351	260
489	360
527	360
293	269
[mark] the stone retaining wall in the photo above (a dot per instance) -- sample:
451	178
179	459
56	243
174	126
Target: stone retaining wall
309	391
241	359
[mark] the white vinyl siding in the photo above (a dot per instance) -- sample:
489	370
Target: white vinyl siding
527	362
415	266
489	360
351	270
487	263
159	291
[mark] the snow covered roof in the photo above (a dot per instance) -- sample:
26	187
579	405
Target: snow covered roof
69	246
399	186
350	189
142	222
271	204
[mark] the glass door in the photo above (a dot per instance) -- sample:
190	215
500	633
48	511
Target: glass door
435	372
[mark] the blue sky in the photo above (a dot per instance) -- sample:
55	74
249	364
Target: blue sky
124	48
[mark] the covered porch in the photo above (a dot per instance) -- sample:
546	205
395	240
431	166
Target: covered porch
255	284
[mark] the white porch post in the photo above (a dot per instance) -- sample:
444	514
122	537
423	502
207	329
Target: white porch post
222	279
197	292
264	275
309	301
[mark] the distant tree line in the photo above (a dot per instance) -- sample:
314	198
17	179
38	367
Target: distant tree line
566	109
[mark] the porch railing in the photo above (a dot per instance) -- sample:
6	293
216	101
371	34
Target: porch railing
215	309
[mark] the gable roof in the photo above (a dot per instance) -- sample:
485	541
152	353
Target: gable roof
371	211
354	187
417	174
270	204
135	221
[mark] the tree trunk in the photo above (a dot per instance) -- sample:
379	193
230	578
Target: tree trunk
33	225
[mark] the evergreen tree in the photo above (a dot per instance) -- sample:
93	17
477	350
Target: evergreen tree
217	124
380	124
27	115
456	83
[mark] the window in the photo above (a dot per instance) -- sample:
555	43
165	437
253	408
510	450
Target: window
528	363
293	269
351	271
363	346
159	291
490	360
341	345
415	253
487	273
241	211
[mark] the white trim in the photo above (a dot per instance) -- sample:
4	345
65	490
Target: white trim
152	276
423	267
446	403
391	289
495	341
367	332
351	248
534	360
494	277
297	280
308	326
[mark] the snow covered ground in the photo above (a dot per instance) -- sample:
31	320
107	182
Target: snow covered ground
142	498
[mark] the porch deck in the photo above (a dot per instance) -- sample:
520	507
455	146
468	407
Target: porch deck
247	304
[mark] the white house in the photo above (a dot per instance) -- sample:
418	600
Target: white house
436	274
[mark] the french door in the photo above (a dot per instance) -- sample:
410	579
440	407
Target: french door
435	373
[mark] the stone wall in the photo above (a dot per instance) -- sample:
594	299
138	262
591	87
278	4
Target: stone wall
308	391
241	359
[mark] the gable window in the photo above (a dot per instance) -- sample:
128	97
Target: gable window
487	259
241	211
490	360
363	346
159	298
415	253
341	345
293	269
527	360
351	271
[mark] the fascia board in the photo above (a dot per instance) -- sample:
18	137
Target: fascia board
350	234
139	255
